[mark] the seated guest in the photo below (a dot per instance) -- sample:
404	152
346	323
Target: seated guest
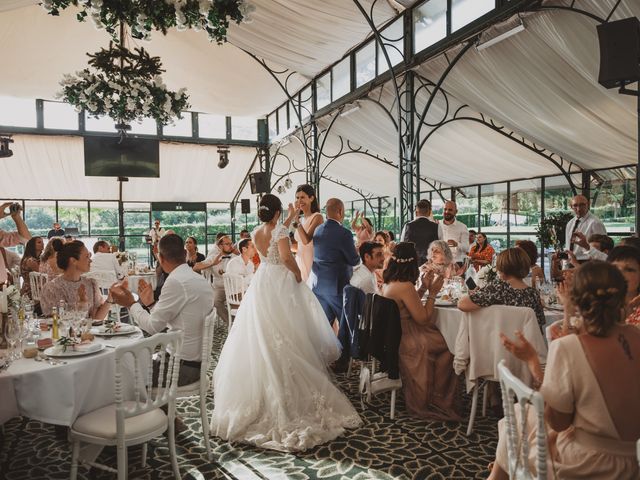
185	302
627	260
30	263
439	259
11	239
631	242
74	259
105	261
242	265
56	231
472	238
481	252
426	364
193	256
509	289
49	258
364	275
536	274
11	258
591	386
596	247
383	239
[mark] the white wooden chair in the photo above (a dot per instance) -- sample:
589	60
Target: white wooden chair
136	421
103	278
372	383
234	290
517	443
37	281
202	386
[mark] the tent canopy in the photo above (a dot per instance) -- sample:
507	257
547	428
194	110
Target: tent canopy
539	86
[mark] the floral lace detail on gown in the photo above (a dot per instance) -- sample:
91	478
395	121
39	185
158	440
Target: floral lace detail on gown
273	255
280	345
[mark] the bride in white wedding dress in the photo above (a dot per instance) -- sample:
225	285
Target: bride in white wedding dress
272	387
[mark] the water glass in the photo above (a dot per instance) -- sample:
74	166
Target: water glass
13	334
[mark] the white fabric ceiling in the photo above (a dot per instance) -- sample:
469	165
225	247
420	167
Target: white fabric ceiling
540	83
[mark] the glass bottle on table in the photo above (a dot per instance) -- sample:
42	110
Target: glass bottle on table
55	332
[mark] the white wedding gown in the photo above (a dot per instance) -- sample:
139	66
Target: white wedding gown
272	387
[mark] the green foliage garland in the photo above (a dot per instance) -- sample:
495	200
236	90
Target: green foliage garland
551	231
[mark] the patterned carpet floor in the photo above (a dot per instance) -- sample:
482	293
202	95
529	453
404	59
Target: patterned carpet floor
404	448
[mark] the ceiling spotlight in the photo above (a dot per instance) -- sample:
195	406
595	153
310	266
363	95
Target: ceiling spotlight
223	151
5	151
288	183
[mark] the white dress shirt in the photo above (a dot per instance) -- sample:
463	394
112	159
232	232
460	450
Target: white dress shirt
236	266
219	269
107	262
156	235
458	232
589	225
186	300
364	279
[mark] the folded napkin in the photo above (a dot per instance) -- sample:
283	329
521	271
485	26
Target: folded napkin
87	347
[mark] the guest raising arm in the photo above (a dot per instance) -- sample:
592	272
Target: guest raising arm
11	239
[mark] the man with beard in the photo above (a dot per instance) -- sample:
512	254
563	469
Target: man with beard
455	233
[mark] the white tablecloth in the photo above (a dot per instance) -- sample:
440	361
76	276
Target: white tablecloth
148	277
58	394
474	339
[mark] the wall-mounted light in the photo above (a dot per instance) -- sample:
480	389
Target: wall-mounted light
5	151
223	152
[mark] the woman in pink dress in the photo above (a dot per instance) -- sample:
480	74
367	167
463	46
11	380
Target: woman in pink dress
307	205
362	229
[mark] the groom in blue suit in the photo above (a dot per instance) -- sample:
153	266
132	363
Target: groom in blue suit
334	256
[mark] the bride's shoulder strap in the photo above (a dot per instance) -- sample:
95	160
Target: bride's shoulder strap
279	233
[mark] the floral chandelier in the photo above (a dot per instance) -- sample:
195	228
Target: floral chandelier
127	85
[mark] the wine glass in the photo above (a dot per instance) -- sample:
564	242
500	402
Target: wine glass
13	334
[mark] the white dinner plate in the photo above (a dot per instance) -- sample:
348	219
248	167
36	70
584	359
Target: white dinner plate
55	351
125	329
445	303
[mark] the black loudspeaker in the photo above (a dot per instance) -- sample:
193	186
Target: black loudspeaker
259	182
619	52
245	205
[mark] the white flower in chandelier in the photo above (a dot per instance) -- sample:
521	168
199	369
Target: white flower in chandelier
204	6
246	9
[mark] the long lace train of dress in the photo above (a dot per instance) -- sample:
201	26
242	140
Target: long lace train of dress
272	387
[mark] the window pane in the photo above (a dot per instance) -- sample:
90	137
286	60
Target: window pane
437	204
366	64
218	220
613	197
138	245
244	128
180	128
282	120
60	115
17	112
104	219
493	205
323	90
74	215
525	206
341	78
558	194
102	124
293	116
212	126
467	202
430	24
40	216
186	224
273	127
393	40
148	126
306	104
464	12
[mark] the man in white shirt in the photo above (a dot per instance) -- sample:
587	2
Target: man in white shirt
185	302
105	261
584	222
455	233
364	276
242	265
218	266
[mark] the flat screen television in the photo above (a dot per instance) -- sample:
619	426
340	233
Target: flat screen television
131	157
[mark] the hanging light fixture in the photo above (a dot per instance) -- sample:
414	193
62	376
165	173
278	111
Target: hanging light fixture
223	152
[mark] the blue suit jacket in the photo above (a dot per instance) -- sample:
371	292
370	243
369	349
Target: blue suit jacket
334	256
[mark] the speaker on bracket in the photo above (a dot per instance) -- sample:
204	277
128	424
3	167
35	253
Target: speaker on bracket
619	52
245	205
259	182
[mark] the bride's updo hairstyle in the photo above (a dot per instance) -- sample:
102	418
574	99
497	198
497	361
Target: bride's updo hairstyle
598	291
269	205
403	264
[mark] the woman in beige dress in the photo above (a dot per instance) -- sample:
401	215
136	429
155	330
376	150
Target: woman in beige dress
591	386
426	364
307	204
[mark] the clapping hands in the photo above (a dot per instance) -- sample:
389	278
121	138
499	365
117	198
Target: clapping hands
145	292
121	294
520	348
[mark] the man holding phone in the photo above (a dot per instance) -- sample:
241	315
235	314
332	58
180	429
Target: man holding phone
11	239
584	222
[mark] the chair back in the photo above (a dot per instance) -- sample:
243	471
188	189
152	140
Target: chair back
352	307
517	438
234	288
139	358
103	278
37	281
380	332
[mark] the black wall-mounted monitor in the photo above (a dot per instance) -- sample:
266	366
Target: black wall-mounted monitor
129	157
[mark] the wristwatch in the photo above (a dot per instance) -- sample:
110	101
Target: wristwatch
295	224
